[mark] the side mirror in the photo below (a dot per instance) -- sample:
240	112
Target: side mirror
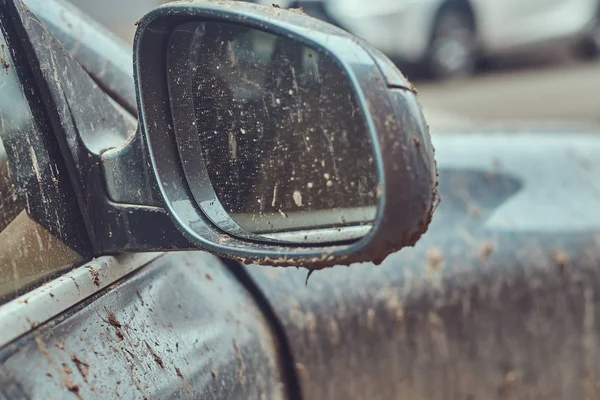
264	135
277	138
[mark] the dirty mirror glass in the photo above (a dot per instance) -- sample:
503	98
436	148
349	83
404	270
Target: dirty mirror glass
271	135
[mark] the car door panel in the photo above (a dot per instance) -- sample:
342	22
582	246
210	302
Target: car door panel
181	327
499	298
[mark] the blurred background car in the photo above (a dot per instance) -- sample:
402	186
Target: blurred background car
448	37
531	77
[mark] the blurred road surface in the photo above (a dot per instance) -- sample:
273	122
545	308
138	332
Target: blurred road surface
564	93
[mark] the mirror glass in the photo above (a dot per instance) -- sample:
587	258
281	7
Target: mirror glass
272	138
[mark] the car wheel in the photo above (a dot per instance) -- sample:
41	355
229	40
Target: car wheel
451	53
589	47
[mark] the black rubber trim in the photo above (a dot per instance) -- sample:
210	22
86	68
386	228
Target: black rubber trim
288	363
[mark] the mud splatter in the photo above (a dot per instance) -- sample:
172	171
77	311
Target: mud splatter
186	385
94	275
486	251
112	319
137	292
435	258
3	60
371	319
241	369
334	332
155	356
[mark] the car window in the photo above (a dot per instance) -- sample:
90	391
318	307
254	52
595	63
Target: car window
29	252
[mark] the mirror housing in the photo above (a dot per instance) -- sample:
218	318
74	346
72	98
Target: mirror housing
403	164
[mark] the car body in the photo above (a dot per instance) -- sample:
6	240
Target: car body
406	30
500	296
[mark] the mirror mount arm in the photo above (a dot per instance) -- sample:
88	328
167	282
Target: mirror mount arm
128	174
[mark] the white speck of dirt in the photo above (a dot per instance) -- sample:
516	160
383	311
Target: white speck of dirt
243	131
326	175
278	101
310	185
291	92
329	183
297	196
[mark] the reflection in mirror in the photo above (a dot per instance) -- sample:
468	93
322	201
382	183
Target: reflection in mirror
271	135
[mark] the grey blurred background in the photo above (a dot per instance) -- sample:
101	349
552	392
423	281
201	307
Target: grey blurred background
536	73
118	15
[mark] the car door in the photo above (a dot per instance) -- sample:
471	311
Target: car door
511	24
